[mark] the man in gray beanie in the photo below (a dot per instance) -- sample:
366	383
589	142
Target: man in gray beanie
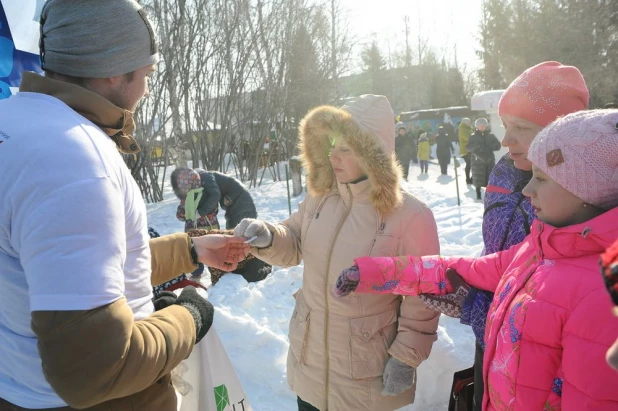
108	47
78	327
96	39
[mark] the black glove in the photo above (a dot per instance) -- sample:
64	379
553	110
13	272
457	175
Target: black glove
164	299
199	307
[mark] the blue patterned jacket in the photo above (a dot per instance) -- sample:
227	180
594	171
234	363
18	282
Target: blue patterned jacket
506	222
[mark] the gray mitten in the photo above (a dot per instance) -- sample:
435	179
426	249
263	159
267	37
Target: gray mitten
397	378
449	304
250	227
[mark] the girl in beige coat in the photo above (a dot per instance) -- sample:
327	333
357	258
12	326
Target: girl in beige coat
359	353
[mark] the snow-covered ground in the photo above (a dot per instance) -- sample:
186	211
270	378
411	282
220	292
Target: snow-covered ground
252	319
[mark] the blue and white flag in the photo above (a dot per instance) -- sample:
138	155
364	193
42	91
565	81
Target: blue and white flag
19	42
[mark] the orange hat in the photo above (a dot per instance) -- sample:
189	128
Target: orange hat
545	92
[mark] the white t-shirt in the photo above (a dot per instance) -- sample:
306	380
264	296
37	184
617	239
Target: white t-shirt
73	232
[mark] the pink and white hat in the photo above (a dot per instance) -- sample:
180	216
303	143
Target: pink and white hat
580	152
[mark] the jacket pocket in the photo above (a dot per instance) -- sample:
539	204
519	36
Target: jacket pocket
299	328
370	339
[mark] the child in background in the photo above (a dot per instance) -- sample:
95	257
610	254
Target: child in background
195	209
201	193
549	324
423	152
482	145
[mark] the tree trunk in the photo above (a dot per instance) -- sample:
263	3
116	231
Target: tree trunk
296	169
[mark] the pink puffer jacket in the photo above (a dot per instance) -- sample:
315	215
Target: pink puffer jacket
550	323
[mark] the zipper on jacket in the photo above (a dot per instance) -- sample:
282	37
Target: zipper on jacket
373	243
314	216
380	230
321	204
326	293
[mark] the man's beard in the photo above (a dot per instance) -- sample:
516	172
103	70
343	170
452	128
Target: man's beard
118	98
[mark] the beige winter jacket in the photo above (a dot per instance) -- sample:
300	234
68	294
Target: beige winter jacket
339	347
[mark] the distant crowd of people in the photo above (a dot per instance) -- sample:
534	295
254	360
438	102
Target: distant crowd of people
476	146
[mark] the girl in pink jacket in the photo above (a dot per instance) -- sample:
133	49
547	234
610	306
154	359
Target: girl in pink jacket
549	324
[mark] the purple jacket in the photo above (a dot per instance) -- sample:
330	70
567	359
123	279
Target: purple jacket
506	222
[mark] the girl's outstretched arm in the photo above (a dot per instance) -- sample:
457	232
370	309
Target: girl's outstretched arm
409	275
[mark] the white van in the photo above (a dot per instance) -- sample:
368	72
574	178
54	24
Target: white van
487	102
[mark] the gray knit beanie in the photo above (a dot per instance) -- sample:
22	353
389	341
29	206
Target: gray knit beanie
96	38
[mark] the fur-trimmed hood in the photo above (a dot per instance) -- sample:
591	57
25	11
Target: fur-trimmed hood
366	125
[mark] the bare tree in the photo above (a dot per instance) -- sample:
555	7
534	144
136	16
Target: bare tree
227	78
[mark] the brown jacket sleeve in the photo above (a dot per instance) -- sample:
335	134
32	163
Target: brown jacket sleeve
171	257
417	323
286	249
93	356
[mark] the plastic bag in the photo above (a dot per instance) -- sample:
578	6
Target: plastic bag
206	381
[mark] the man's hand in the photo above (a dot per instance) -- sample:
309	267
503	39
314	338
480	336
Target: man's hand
200	308
220	251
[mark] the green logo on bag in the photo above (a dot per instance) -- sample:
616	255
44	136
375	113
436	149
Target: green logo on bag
221	397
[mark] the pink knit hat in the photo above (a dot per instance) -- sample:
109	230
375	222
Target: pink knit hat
580	152
545	92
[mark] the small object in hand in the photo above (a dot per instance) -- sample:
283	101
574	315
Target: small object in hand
250	227
250	240
347	281
215	273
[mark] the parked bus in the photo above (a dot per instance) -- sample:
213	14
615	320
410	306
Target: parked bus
429	120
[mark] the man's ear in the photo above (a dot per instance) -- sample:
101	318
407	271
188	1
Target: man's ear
114	81
102	85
